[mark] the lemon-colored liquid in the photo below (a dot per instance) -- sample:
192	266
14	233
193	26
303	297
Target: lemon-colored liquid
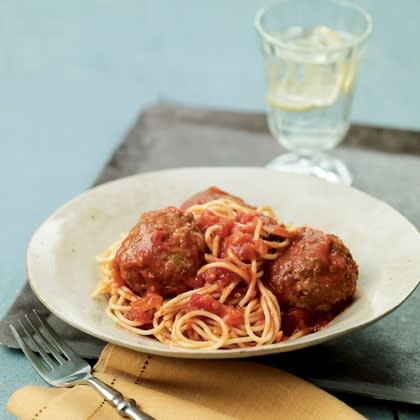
310	93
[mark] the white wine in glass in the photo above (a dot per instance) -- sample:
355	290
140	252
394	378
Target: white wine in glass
312	51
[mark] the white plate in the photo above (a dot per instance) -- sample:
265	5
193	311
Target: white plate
61	255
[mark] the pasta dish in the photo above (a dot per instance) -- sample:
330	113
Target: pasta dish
218	273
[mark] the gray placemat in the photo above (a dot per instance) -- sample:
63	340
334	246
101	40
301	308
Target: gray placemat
382	360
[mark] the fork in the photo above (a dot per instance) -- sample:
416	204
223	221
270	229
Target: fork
60	366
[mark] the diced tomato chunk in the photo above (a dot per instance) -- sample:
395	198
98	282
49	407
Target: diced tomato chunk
242	244
208	218
143	309
231	315
245	218
234	316
221	275
143	318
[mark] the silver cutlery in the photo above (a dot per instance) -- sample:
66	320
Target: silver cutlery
60	366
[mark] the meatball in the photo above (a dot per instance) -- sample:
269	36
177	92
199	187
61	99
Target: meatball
315	273
212	193
161	254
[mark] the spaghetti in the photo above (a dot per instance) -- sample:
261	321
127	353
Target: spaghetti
232	308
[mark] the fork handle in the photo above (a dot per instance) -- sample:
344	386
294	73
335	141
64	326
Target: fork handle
126	408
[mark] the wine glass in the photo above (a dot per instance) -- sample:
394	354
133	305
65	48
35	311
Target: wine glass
312	51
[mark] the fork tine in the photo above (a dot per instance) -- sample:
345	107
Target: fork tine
47	359
61	344
48	345
29	353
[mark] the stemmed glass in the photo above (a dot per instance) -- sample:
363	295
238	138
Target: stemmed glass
312	51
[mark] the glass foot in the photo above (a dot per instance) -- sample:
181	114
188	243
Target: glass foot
322	166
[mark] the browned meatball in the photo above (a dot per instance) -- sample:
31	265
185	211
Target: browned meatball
212	193
161	254
315	273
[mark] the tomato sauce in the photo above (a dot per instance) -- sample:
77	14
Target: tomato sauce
223	276
208	218
143	309
300	320
231	315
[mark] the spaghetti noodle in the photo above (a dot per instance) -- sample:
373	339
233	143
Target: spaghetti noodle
233	308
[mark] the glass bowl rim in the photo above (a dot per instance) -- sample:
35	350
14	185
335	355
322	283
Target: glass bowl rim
346	45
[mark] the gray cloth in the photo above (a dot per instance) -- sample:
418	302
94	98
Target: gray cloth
382	360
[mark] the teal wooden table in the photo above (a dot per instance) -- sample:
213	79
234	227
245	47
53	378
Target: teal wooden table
74	75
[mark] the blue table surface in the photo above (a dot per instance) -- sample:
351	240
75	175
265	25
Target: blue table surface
74	76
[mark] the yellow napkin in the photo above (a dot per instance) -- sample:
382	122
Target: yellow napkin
184	389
